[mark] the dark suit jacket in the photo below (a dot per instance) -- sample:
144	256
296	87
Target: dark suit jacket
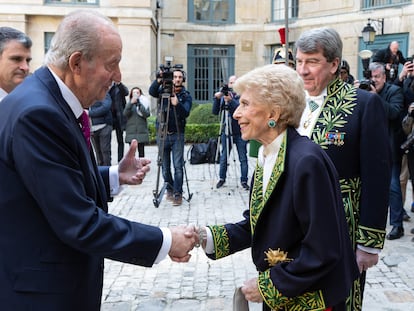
303	216
392	97
54	226
353	130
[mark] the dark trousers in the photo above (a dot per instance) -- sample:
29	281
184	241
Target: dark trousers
120	139
101	140
395	201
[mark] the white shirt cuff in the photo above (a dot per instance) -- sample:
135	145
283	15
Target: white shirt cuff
166	245
114	185
209	243
369	250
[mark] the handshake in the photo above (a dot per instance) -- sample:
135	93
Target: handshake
184	239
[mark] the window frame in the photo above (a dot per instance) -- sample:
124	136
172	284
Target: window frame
47	38
217	65
371	4
210	19
279	6
72	2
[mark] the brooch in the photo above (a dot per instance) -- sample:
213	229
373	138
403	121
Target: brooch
273	257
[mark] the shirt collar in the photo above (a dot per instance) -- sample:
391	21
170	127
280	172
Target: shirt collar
271	149
319	98
68	96
3	94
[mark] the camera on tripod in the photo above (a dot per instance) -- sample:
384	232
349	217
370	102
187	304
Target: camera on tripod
166	73
225	89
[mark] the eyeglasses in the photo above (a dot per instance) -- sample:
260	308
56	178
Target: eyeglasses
343	72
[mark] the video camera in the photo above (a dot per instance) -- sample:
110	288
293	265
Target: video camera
167	74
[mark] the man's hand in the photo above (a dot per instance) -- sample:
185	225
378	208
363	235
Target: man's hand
218	95
183	241
406	71
251	291
228	97
174	100
132	170
410	108
365	260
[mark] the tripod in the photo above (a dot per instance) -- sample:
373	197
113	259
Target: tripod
163	117
226	131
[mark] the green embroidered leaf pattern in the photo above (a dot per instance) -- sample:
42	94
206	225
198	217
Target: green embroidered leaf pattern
351	194
221	241
310	301
340	103
271	296
370	237
354	300
258	200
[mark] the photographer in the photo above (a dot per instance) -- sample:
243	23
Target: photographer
227	101
405	80
393	101
391	57
118	92
408	146
177	110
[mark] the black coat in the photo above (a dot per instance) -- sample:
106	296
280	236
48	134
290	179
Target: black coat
300	214
118	93
385	56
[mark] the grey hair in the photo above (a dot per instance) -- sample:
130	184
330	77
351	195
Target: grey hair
8	34
276	85
375	66
325	40
80	31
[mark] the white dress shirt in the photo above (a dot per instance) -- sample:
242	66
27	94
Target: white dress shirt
3	94
310	117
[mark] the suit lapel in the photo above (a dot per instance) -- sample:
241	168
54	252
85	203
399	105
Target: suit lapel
90	167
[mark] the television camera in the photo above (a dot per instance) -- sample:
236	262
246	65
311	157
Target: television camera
166	73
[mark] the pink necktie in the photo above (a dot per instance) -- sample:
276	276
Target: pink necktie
86	128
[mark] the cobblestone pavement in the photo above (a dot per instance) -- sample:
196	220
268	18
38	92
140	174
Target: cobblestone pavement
204	284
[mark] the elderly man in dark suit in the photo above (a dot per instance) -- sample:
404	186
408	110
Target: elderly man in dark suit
55	229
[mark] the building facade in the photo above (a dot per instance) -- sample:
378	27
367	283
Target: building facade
213	39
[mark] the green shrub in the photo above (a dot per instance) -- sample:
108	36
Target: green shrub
201	125
201	114
198	133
